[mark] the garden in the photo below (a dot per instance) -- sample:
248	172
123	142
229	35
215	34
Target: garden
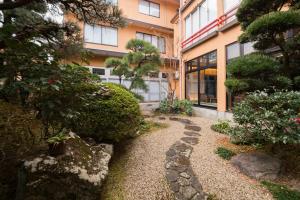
65	134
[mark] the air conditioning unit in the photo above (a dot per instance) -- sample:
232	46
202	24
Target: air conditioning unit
177	75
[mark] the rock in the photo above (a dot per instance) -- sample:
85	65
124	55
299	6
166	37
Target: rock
192	134
190	140
192	128
257	165
184	121
188	192
174	186
184	175
78	174
183	181
172	175
162	118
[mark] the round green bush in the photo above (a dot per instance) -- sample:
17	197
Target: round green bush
264	118
113	115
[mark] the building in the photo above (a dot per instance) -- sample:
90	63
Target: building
147	20
208	31
197	38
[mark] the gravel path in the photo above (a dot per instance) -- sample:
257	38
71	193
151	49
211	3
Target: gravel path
146	166
145	169
216	175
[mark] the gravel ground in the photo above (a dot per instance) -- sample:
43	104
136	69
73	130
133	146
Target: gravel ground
145	173
145	179
216	175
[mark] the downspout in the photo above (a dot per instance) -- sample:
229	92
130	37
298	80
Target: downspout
180	53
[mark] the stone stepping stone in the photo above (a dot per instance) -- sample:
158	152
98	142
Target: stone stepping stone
162	118
190	140
193	128
192	134
184	121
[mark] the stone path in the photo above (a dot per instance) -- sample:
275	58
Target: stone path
179	154
179	173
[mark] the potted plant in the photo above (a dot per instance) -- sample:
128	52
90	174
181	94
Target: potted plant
57	144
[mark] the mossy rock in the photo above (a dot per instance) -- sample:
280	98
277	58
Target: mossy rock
78	174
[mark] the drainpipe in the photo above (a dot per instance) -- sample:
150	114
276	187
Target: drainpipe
179	53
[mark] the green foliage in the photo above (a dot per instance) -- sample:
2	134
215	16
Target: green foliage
142	59
60	98
148	126
250	10
297	82
20	133
268	24
273	23
254	72
176	107
120	67
114	115
267	118
281	192
221	127
225	153
59	138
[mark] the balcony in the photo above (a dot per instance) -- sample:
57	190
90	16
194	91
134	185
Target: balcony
220	24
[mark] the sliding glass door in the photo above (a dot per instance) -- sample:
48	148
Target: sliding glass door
201	80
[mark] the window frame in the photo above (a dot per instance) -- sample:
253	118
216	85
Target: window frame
198	8
158	39
149	8
241	49
101	27
197	69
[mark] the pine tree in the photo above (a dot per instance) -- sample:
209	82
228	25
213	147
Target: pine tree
142	59
268	23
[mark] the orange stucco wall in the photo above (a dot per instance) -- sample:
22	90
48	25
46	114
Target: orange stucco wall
216	43
168	9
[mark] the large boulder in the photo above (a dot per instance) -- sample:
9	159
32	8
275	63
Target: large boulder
257	165
78	174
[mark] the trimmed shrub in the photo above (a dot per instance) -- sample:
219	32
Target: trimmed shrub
225	153
176	107
113	116
267	118
221	127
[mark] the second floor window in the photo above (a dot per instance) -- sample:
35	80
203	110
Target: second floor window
205	13
229	4
149	8
101	35
158	42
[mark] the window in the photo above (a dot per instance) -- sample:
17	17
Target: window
236	50
229	4
101	35
188	27
248	48
98	71
149	8
158	42
196	21
233	51
201	80
109	36
201	17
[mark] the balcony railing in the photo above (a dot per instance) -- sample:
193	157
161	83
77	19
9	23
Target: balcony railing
217	23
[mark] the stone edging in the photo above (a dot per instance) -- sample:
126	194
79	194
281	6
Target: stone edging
179	173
